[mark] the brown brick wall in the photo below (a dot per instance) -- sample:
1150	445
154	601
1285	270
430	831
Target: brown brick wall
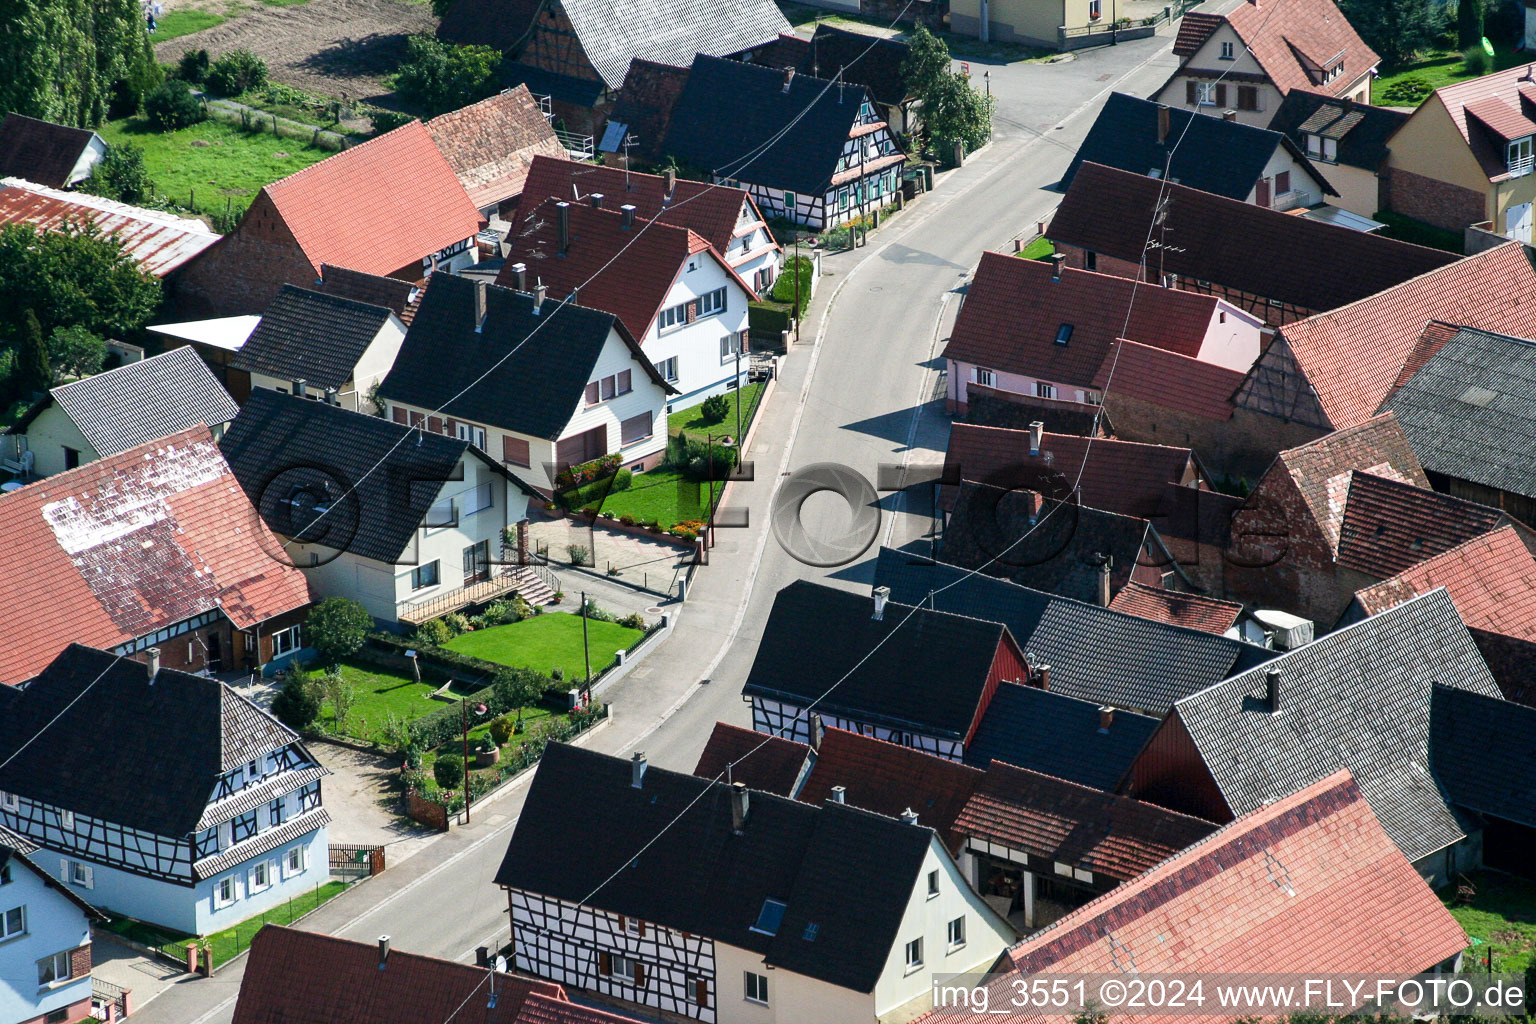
188	652
1243	446
243	272
80	961
1279	557
1432	201
1078	258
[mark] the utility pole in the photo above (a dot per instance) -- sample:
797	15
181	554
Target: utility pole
586	649
738	385
464	721
795	265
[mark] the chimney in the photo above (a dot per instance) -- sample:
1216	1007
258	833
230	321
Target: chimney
538	297
789	76
1043	674
839	793
669	179
563	211
1106	718
637	768
1036	429
521	270
597	200
1272	690
818	731
909	817
1163	126
1104	582
1057	259
738	806
1348	102
383	950
301	388
330	397
482	956
628	219
1229	115
882	595
152	666
481	287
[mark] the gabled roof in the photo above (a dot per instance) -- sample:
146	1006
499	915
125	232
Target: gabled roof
139	780
858	58
1061	821
416	205
1014	311
1361	130
41	151
890	779
490	144
130	544
624	271
1057	735
139	402
993	407
1489	111
379	478
400	296
313	336
1211	238
1320	886
1351	356
1470	412
1295	40
645	104
1389	525
710	211
1491	578
19	849
160	243
728	109
1480	751
1207	614
1194	30
1212	154
517	369
849	872
1358	698
764	762
1168	379
300	977
1095	654
887	669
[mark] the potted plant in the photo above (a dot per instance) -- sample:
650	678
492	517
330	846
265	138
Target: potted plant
559	596
486	753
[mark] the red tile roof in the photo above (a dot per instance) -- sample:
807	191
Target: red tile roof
1194	30
378	207
1432	340
763	761
130	544
1511	90
1168	379
300	977
1121	476
158	242
1013	311
1064	821
1285	36
1500	118
710	211
890	779
624	272
1389	526
1308	884
1193	610
491	144
1352	355
1491	580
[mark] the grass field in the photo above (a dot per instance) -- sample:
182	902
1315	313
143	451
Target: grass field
692	419
184	23
1501	915
662	495
378	695
212	162
547	641
1440	67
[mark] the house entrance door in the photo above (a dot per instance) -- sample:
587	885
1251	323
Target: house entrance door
1517	223
477	562
215	652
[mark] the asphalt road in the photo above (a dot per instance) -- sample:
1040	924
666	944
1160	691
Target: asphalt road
856	391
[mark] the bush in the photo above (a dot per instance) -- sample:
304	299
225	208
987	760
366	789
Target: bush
120	175
784	286
193	67
578	553
236	72
595	613
521	609
632	621
448	770
766	320
715	408
623	480
501	731
456	623
336	628
173	106
1475	60
297	704
1408	91
433	633
387	120
440	77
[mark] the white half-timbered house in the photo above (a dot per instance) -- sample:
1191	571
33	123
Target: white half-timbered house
832	157
183	804
748	908
926	685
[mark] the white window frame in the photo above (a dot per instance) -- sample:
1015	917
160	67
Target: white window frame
712	303
1205	94
983	376
295	861
59	966
9	802
730	346
220	899
6	931
477	499
418	575
954	932
666	368
1228	51
286	641
1044	390
66	820
621	966
263	875
933	883
1095	10
471	433
1519	156
672	318
77	873
755	988
914	954
1314	146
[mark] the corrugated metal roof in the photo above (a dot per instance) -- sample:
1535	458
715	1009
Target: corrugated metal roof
159	242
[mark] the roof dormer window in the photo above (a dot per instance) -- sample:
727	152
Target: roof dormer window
1519	155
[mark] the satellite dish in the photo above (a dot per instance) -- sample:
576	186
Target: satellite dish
501	965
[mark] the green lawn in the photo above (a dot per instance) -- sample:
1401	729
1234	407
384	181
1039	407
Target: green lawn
184	23
378	696
1440	67
692	419
663	495
548	641
216	161
1039	249
1406	229
1503	915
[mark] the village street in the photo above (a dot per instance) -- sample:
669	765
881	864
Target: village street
857	391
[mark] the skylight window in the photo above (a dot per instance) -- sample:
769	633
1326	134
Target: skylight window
1063	334
811	928
770	917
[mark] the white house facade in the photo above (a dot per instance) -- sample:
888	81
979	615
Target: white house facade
701	328
45	942
371	367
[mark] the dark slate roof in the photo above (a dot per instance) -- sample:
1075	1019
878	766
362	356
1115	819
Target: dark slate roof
1225	158
139	779
870	61
140	402
645	103
1358	698
1470	413
400	296
924	671
312	335
527	369
989	407
772	764
850	872
41	152
282	446
1051	733
728	108
1095	654
1362	130
1481	750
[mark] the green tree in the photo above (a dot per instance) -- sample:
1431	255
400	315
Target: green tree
63	58
955	112
144	76
440	8
173	106
75	352
72	275
339	694
1469	23
1394	30
448	770
120	174
193	66
336	628
518	688
33	373
296	704
9	393
439	77
927	62
236	72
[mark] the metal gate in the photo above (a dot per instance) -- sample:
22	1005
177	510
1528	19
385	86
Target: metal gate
351	862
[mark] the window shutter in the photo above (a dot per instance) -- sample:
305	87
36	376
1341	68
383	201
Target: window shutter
514	450
692	310
435	424
1221	94
744	346
604	962
624	382
593	394
700	992
640	975
399	414
642	929
451	427
1191	92
89	881
623	924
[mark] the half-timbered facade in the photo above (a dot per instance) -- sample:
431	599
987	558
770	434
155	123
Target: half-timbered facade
195	834
788	884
